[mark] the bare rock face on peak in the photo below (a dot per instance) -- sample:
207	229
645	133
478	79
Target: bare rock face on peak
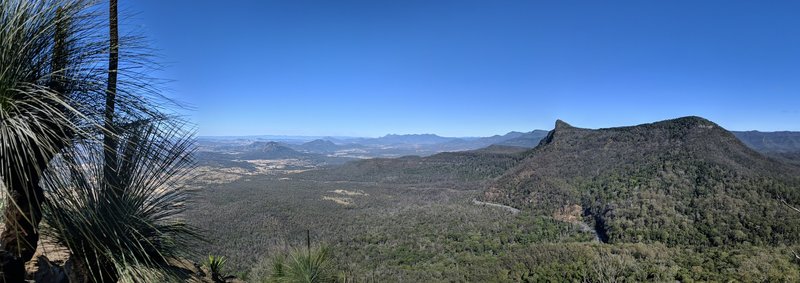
674	181
560	125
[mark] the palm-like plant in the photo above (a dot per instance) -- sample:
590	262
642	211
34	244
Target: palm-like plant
216	265
118	232
44	50
52	93
304	266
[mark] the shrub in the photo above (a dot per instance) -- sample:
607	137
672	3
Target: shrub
216	265
307	266
129	232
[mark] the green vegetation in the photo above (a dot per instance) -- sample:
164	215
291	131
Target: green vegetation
678	182
118	222
467	168
393	233
82	210
311	265
680	200
771	142
721	209
216	265
406	233
41	69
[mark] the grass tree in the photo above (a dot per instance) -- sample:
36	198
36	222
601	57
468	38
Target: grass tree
312	265
134	229
55	84
45	48
110	138
216	266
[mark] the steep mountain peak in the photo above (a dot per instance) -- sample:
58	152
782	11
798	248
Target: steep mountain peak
570	152
560	124
687	162
679	129
561	130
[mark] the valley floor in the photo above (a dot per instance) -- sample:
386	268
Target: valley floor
411	233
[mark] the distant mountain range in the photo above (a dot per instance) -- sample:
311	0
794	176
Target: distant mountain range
771	141
784	146
386	146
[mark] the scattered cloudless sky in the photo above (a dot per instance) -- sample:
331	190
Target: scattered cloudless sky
474	68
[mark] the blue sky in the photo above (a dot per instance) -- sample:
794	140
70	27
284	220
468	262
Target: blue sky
475	68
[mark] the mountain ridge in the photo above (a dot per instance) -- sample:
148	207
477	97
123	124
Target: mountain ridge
689	163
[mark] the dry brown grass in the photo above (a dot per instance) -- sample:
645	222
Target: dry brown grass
339	200
349	193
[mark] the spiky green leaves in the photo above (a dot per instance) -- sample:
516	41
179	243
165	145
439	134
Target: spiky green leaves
52	85
37	118
304	266
137	227
216	265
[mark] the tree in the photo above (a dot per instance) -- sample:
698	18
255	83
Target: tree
142	212
109	137
41	71
53	80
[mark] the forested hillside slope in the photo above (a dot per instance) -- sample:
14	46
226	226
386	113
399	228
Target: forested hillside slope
454	169
783	141
681	181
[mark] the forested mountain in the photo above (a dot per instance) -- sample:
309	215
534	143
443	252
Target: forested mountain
781	142
681	181
274	151
787	157
269	150
783	146
319	146
529	139
463	168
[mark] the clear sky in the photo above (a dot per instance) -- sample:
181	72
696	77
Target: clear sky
475	68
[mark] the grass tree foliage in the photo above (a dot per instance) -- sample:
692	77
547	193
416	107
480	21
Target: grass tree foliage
216	265
53	89
45	48
312	265
136	228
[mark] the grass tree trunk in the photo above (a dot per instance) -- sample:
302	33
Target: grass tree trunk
93	267
23	209
22	216
101	269
110	138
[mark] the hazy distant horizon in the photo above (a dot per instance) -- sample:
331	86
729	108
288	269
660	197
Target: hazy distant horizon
318	136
